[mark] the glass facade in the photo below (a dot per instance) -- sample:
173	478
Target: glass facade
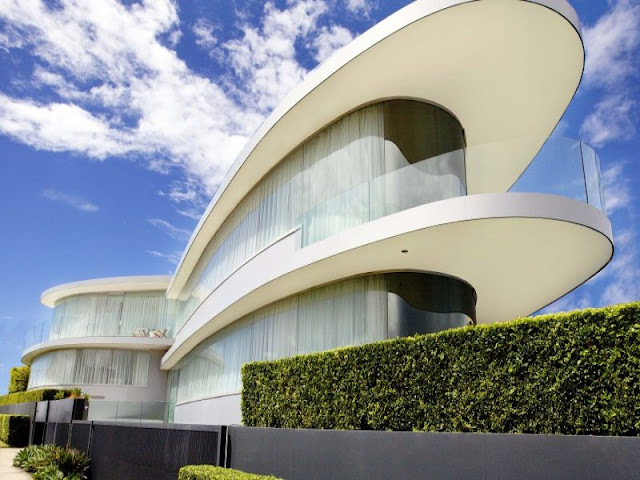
376	161
113	315
90	367
352	312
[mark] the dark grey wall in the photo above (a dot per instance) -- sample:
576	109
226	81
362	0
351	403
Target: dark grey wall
327	454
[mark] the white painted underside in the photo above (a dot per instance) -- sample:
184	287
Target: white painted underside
519	251
111	343
506	69
105	285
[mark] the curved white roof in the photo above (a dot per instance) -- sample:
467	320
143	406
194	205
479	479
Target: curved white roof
146	283
506	69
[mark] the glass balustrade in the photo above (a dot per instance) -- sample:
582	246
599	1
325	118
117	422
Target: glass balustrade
127	411
565	167
131	314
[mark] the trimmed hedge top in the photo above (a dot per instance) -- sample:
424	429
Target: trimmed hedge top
208	472
32	396
18	379
572	373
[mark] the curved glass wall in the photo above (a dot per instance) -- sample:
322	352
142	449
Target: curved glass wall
109	315
565	167
352	312
90	367
376	161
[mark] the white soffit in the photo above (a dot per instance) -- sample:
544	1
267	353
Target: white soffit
506	69
105	285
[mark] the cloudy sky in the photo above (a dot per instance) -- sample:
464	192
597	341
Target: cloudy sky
118	121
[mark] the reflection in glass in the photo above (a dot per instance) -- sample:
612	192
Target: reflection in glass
352	312
426	303
564	167
378	160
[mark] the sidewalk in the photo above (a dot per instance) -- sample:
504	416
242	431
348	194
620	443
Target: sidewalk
7	470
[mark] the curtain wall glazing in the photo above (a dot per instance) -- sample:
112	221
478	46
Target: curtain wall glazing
112	315
376	161
352	312
90	367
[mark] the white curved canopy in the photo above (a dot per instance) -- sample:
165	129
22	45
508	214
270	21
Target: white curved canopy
145	283
506	69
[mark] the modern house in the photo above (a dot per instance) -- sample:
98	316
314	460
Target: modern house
408	185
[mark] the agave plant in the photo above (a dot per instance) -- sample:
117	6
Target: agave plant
72	462
51	462
22	457
50	472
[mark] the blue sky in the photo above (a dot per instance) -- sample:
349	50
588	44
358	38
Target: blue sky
119	120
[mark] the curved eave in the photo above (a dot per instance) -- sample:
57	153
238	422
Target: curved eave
519	251
105	285
486	61
112	343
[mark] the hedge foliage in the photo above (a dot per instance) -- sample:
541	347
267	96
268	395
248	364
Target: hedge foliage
572	373
31	396
208	472
14	430
18	379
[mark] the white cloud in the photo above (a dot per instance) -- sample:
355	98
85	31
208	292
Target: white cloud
611	45
622	273
174	232
203	31
188	198
264	59
109	58
107	81
612	60
329	39
360	6
172	258
75	201
612	119
617	190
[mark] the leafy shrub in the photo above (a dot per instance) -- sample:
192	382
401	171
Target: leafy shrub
75	392
52	462
50	472
14	430
35	457
572	373
208	472
22	457
32	396
18	379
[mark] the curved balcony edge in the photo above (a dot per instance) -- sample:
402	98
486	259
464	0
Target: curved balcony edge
487	240
140	283
117	343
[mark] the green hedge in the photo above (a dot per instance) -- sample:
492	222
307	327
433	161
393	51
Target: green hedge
208	472
572	373
14	430
18	379
31	396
